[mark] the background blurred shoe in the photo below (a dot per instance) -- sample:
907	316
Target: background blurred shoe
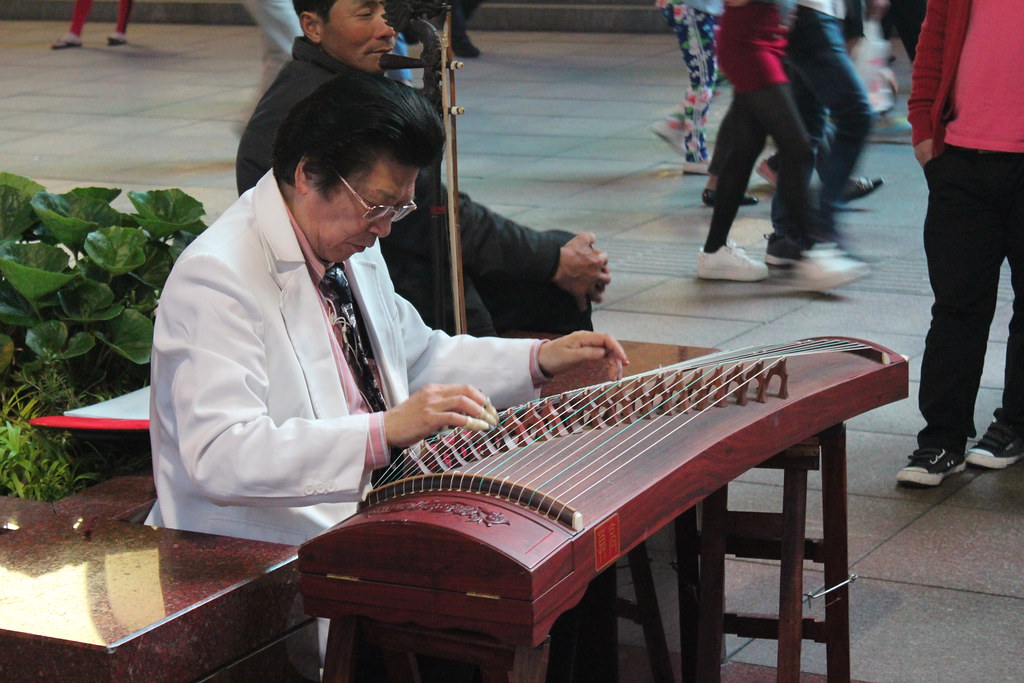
668	130
117	39
859	187
889	125
69	40
696	167
826	266
782	250
708	197
466	49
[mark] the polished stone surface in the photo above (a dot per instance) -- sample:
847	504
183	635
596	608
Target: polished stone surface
87	593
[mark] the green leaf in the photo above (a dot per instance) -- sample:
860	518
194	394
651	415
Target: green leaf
165	212
35	270
180	242
35	255
89	270
173	206
157	267
14	308
130	335
70	218
47	339
88	300
50	340
116	250
6	352
104	194
16	214
80	344
21	183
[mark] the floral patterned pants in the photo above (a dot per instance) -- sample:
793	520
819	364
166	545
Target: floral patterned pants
695	31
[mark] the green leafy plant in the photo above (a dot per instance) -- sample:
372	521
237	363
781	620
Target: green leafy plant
79	283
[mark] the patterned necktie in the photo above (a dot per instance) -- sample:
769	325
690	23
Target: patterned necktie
356	345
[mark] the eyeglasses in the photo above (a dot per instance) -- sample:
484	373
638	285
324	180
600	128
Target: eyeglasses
378	212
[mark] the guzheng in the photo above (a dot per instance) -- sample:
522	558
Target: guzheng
500	532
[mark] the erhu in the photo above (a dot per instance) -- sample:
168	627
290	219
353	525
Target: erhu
411	18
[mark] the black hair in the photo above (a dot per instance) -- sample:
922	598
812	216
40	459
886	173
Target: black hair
321	8
349	123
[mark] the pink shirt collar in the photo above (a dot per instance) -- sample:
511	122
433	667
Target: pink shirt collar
317	266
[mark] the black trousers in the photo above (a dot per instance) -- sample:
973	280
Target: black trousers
975	221
751	118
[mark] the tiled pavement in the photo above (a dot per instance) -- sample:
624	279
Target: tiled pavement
556	135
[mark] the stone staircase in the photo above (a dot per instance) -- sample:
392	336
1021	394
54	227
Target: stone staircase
565	16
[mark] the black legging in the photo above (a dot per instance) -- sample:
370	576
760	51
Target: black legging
750	119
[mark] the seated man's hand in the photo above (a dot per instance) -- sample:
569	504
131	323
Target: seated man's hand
564	353
583	270
435	408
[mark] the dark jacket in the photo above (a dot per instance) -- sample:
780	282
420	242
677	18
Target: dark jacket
498	254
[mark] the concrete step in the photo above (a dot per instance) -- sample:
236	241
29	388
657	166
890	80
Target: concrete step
564	16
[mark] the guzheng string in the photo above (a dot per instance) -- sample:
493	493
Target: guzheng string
476	459
452	445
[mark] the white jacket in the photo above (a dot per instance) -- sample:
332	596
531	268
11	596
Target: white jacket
249	425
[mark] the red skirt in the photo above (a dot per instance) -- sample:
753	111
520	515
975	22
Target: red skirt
750	44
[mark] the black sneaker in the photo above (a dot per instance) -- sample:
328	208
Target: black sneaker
1000	447
929	466
782	251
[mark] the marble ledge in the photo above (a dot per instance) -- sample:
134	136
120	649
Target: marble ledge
86	593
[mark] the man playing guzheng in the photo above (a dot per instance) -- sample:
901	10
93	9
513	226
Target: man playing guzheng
285	369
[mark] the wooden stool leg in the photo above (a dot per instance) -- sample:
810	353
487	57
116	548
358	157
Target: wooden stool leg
340	660
688	582
598	649
649	614
401	666
834	537
794	513
530	665
711	610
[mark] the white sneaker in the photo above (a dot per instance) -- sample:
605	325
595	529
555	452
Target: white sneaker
826	266
673	135
729	263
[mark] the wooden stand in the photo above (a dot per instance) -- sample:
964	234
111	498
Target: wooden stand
498	663
778	536
596	662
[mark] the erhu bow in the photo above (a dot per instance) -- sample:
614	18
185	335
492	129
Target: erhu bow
411	17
